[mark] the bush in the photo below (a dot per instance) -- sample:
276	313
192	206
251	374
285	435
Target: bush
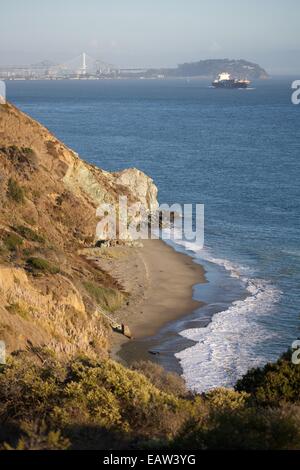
12	241
273	383
40	265
84	395
244	429
28	151
22	158
168	382
226	399
36	436
3	249
14	191
87	404
107	298
29	234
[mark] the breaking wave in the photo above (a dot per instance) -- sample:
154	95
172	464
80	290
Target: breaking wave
233	342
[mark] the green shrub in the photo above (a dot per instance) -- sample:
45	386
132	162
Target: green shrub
86	404
168	382
226	399
82	395
29	234
28	151
12	241
36	436
40	265
15	191
273	383
243	429
3	250
107	298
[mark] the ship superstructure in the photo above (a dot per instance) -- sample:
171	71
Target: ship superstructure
225	80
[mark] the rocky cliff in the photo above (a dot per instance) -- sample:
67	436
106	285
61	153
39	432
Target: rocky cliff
48	290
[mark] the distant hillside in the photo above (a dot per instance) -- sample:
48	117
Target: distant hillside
212	67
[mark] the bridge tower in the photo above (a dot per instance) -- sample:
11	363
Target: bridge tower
83	68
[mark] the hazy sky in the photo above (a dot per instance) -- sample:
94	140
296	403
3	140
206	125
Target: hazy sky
152	32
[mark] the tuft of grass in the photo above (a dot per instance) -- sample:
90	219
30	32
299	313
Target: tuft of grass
28	151
29	234
12	241
3	249
111	253
15	191
107	298
41	265
17	309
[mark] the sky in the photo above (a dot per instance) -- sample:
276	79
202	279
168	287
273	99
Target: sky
152	33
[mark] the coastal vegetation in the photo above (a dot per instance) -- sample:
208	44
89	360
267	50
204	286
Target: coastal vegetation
12	241
15	191
106	297
29	234
59	389
40	265
273	383
51	286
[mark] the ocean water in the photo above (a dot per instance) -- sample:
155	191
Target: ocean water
237	152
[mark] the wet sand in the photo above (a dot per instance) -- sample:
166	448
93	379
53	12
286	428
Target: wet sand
160	283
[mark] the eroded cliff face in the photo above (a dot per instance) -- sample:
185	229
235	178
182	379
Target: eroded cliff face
140	185
64	165
49	292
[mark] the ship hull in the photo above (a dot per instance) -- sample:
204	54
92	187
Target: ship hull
230	85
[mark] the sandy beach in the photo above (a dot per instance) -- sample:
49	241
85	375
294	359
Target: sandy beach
159	281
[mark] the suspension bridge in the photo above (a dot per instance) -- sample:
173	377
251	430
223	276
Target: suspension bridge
83	65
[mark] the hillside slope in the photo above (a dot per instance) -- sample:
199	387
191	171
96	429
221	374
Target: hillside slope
48	198
211	68
208	69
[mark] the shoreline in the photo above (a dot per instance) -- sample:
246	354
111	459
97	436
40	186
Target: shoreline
160	283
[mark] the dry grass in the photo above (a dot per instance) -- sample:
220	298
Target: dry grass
17	309
107	298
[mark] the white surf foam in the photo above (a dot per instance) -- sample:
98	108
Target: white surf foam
227	347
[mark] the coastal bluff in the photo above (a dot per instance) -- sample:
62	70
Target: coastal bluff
49	290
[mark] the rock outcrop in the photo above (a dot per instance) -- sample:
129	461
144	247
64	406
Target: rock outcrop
141	185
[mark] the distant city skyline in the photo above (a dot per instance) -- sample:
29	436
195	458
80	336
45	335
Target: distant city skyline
132	33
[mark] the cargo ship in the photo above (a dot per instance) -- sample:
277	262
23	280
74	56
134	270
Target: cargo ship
225	80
